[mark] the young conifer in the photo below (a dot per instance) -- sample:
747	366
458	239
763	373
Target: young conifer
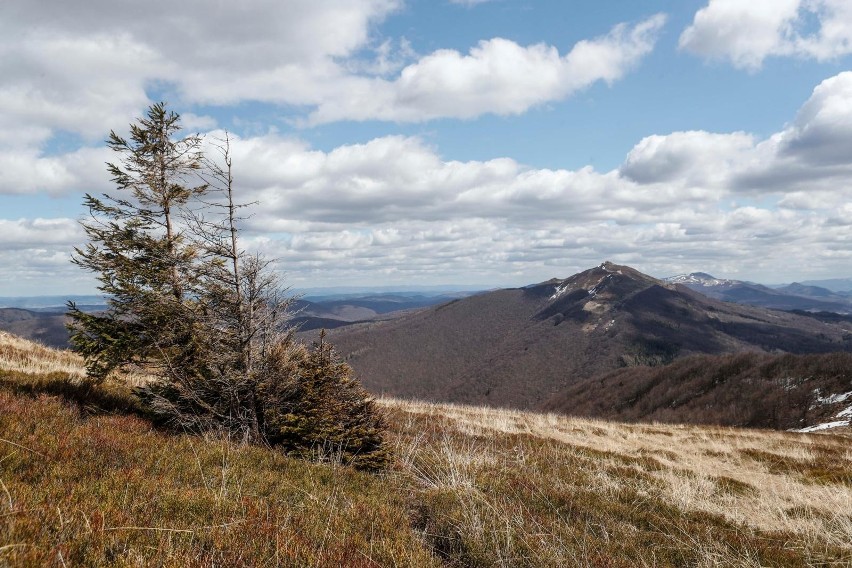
320	410
138	253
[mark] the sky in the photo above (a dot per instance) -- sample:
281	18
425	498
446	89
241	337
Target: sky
463	142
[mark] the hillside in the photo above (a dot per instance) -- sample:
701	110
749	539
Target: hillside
471	487
757	390
45	327
521	347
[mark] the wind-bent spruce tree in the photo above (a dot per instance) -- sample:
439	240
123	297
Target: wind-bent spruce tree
209	322
141	257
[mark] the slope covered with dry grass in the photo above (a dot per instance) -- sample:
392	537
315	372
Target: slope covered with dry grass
471	487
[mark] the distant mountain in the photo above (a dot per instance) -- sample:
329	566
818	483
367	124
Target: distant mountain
833	284
48	328
47	324
50	303
791	297
796	289
522	347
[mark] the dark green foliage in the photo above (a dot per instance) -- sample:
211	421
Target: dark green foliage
138	253
649	352
320	410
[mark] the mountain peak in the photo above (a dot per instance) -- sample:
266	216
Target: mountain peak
604	283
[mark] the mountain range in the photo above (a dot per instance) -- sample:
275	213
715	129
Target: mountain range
607	342
795	296
329	312
526	347
42	318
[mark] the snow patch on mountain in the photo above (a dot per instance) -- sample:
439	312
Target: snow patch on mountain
699	278
834	398
831	399
824	426
560	290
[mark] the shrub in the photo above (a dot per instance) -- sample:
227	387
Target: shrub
313	407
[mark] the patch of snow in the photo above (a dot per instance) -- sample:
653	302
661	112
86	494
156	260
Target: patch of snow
788	383
560	290
595	289
699	278
844	413
834	398
824	426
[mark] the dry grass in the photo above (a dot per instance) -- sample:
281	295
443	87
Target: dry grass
763	483
109	490
471	487
21	355
18	355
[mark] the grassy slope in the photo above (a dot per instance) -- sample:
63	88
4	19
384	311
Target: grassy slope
473	487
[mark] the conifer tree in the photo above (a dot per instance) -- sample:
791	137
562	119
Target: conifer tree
321	410
241	310
205	319
138	252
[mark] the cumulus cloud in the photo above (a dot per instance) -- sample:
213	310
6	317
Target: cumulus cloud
819	135
27	233
497	76
90	67
87	67
27	171
396	209
746	33
35	255
400	179
691	158
727	202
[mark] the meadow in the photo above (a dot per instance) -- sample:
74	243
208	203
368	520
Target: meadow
86	481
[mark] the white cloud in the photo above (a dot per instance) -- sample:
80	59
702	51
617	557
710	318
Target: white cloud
38	233
692	158
820	135
88	67
400	179
497	76
395	209
728	202
747	32
193	122
26	171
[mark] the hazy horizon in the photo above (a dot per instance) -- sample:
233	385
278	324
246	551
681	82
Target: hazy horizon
436	289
